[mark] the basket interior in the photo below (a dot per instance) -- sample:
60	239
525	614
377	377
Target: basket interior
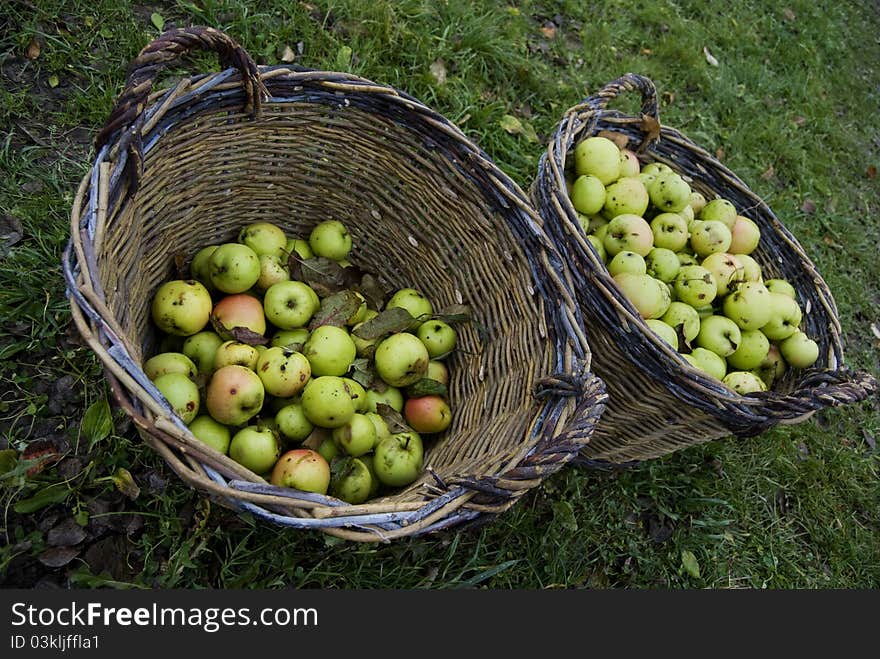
420	216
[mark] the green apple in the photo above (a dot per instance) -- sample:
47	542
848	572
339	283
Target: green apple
238	310
718	210
353	483
662	330
357	436
597	156
412	300
599	246
292	423
211	432
427	414
326	401
330	350
284	372
234	395
331	240
744	382
398	459
300	246
751	352
669	192
234	268
684	315
627	195
290	338
709	362
799	350
181	393
236	352
719	334
781	286
645	294
655	169
255	447
727	271
587	195
391	396
302	469
627	261
181	307
662	264
628	232
264	238
695	285
401	359
745	236
328	449
201	348
439	338
170	362
290	304
749	306
709	237
670	231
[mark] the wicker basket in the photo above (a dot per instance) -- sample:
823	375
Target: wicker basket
658	403
186	167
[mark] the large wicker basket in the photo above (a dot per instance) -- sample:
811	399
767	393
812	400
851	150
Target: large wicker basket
186	167
658	403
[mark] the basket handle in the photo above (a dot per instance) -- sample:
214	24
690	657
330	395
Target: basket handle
167	48
631	82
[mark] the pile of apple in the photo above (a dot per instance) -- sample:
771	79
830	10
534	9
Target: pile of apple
684	262
280	353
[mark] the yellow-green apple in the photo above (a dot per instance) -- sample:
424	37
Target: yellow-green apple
773	367
255	447
398	459
290	304
751	352
709	362
411	299
628	232
181	307
290	338
302	469
719	334
599	246
379	424
662	263
439	338
363	347
629	163
401	359
328	449
598	156
749	306
170	362
181	393
727	271
662	330
669	192
670	231
684	315
744	382
391	396
697	201
326	401
587	195
626	261
238	310
427	414
234	268
292	423
799	350
331	240
264	238
236	352
686	258
272	270
211	432
360	315
234	395
626	195
709	237
284	372
330	350
645	294
695	285
201	348
745	236
353	483
357	436
437	371
777	285
719	210
358	394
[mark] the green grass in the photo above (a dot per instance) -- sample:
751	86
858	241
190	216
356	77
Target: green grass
791	106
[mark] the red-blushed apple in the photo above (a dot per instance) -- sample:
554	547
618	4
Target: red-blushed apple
238	310
629	163
236	352
181	307
401	359
398	459
234	395
331	240
264	238
234	268
745	236
326	401
170	362
330	350
211	432
427	414
302	469
181	393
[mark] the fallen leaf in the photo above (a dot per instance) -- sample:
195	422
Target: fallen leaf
769	173
651	127
875	330
799	121
53	81
548	30
33	49
426	387
124	482
288	55
336	310
719	153
42	454
871	172
66	534
668	98
621	140
647	51
57	556
870	439
789	14
157	21
11	232
808	207
690	564
392	418
709	57
97	422
389	321
438	70
511	124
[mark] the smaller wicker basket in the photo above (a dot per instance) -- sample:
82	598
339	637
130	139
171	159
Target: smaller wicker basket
188	166
658	402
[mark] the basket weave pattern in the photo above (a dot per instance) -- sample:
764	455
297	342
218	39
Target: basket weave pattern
186	167
658	402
